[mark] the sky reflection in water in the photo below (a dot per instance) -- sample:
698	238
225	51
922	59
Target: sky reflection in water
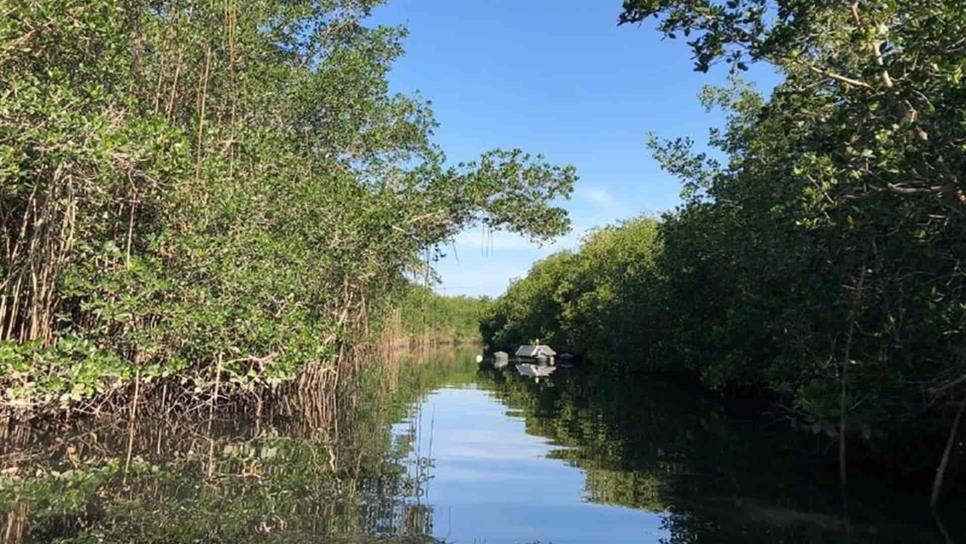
492	482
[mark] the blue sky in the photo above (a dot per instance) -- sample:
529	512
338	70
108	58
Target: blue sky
558	78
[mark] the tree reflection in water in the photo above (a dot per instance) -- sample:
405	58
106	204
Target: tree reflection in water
353	463
321	466
714	473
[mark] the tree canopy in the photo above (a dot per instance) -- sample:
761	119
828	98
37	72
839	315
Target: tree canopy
821	259
188	182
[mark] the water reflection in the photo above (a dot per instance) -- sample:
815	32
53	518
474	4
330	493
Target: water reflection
316	468
711	474
430	446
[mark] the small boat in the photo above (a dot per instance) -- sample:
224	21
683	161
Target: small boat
536	352
501	359
535	371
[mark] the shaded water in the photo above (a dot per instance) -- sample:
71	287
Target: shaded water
435	448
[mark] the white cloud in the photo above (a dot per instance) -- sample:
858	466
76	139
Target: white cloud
480	262
480	268
599	197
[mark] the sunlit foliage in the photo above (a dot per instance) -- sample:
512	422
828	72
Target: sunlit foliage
219	188
602	301
422	316
818	253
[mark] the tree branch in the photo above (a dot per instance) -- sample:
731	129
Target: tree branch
838	77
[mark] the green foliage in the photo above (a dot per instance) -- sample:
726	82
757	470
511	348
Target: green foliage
822	260
424	316
531	308
828	252
71	370
230	185
603	300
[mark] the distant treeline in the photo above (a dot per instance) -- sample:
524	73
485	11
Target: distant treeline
217	193
425	317
823	261
604	301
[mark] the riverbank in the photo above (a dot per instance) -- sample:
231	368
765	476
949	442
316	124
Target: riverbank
79	375
429	342
622	300
300	470
75	380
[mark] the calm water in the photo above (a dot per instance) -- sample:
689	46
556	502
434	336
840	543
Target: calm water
435	448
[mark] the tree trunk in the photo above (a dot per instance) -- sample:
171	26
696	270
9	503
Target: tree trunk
944	462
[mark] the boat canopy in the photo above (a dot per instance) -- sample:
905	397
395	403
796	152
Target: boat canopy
535	350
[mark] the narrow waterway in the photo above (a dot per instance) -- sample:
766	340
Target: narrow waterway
435	448
492	481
